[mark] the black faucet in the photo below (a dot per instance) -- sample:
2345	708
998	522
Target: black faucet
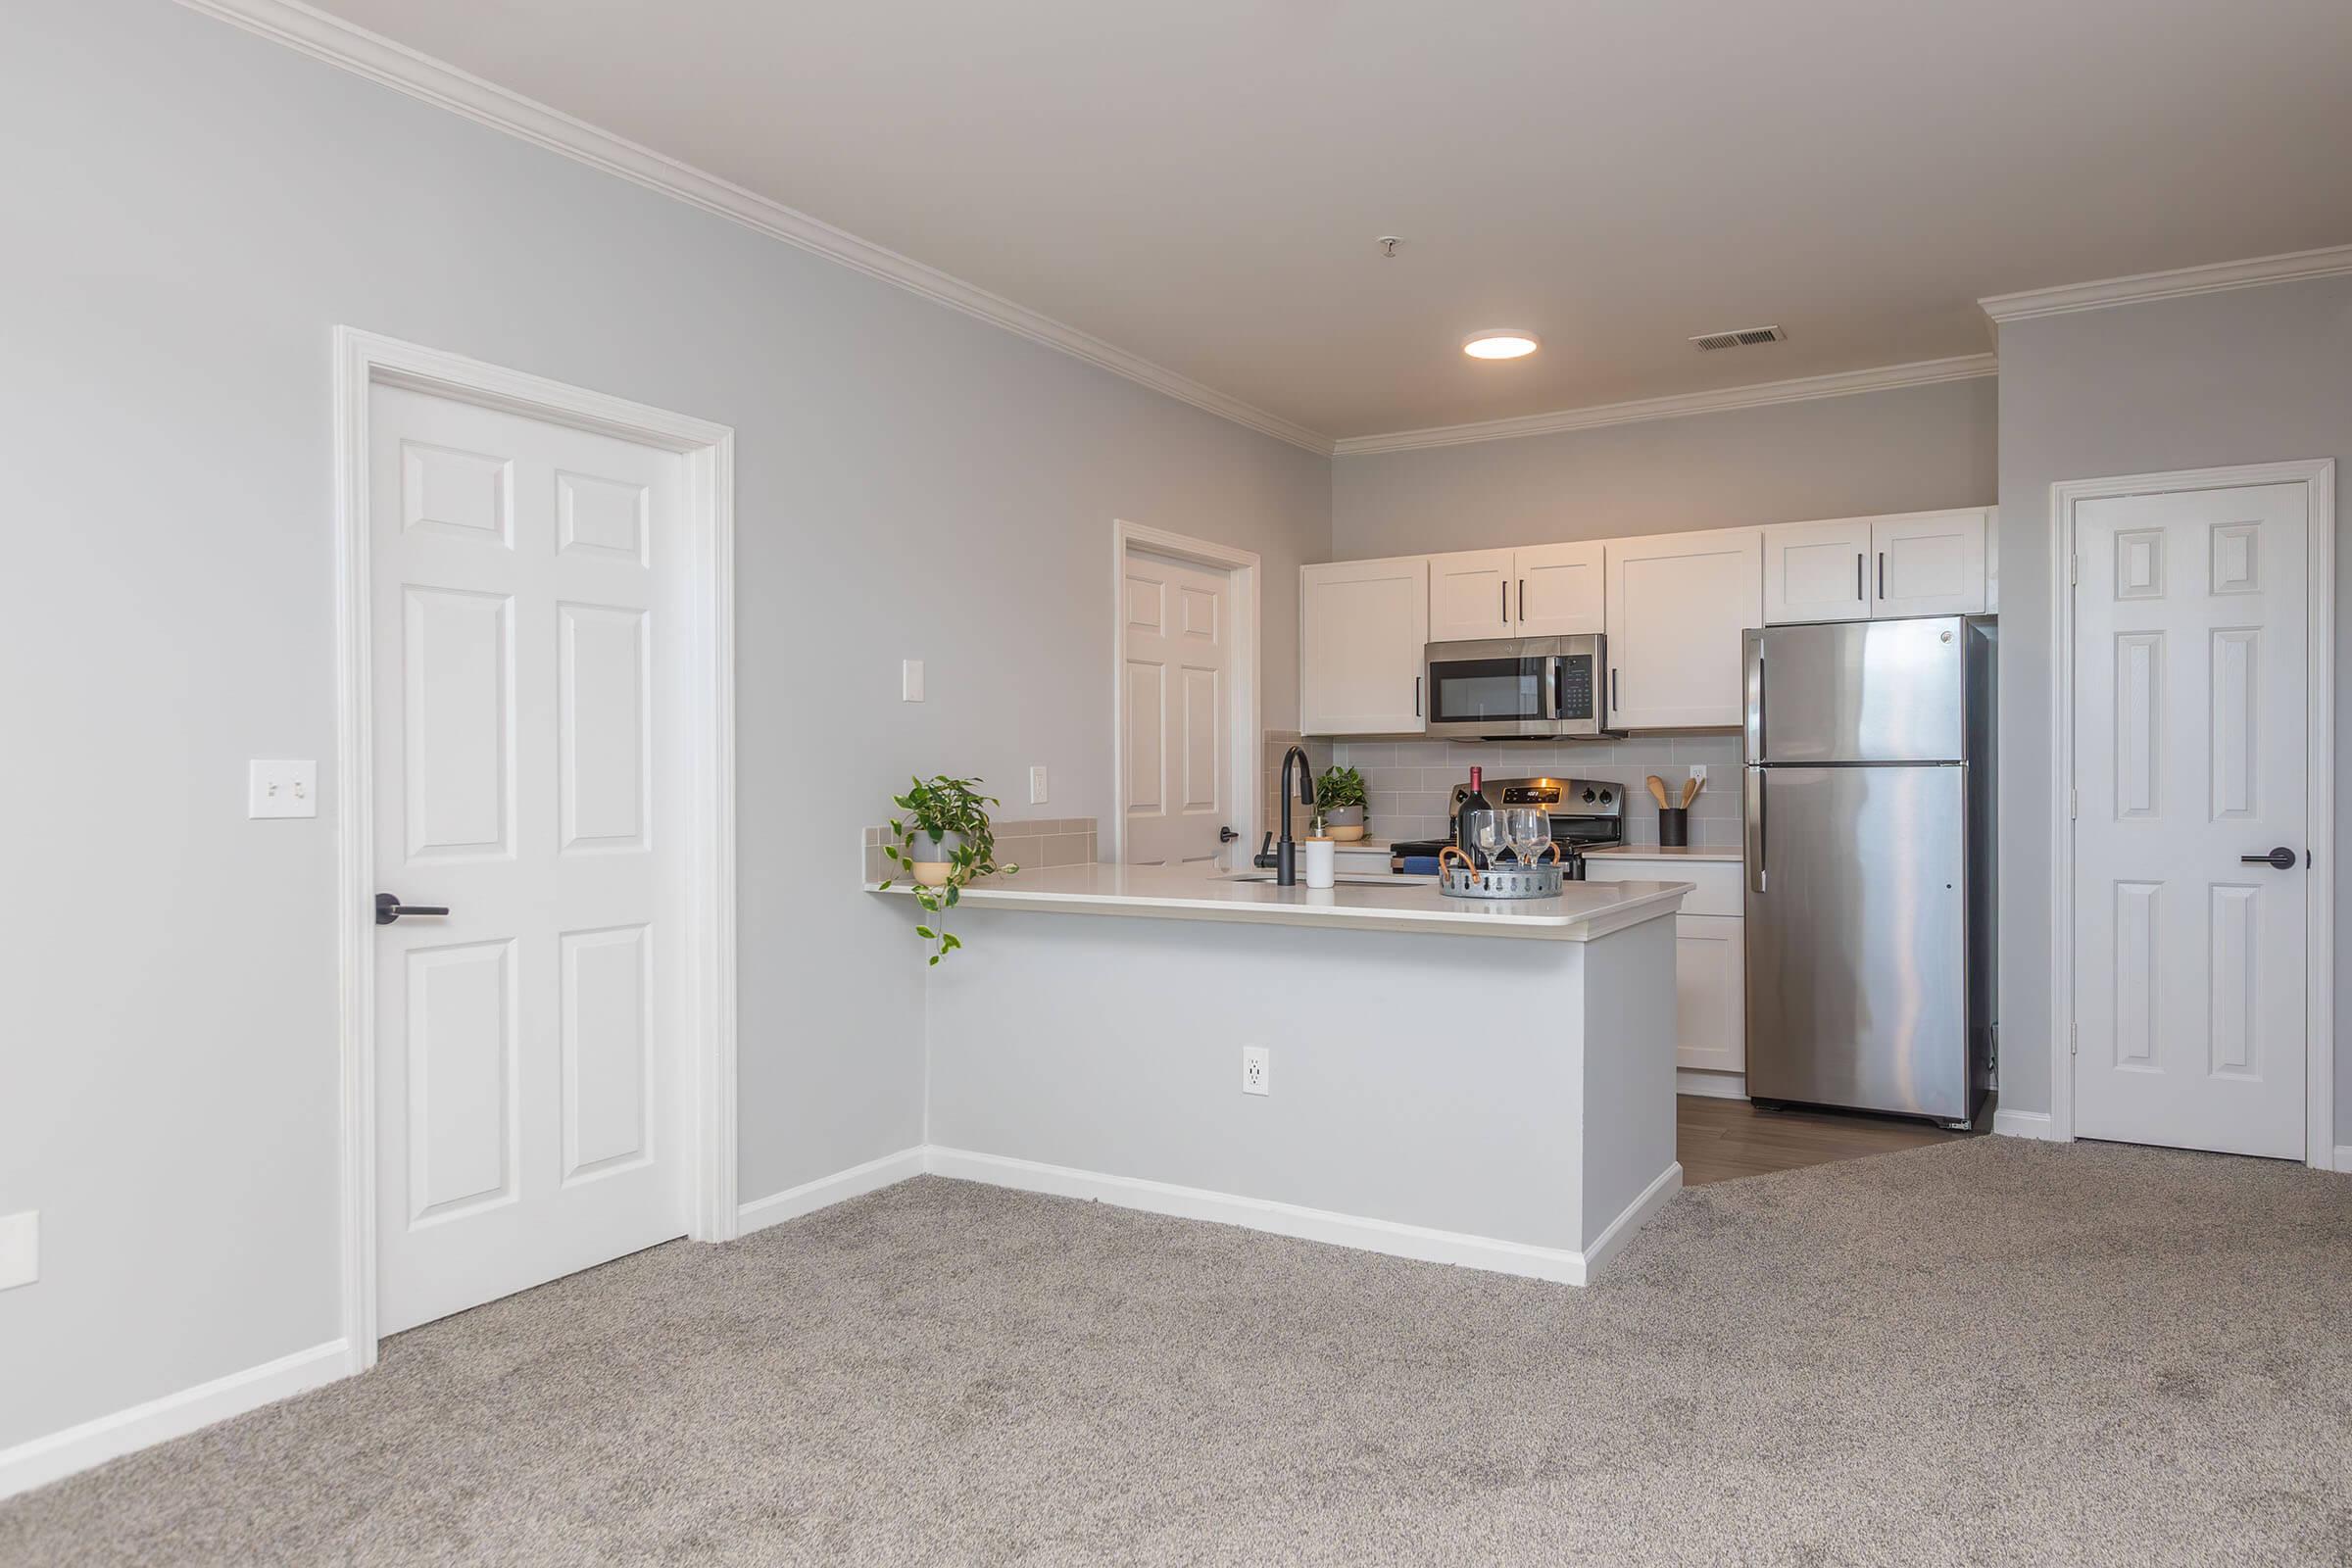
1283	859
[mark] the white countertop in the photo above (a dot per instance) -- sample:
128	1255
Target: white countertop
1660	852
1583	911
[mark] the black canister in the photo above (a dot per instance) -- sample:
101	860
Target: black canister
1674	826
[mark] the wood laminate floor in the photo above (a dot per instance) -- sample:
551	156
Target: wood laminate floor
1722	1140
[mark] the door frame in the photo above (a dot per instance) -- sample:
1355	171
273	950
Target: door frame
1242	572
2317	477
363	361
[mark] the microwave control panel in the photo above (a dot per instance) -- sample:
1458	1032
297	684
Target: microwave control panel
1576	686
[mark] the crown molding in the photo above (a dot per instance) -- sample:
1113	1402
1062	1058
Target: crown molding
1842	383
393	65
2330	261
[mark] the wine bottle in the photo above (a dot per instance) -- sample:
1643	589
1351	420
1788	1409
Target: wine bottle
1466	822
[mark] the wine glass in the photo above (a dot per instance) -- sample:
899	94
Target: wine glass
1487	836
1531	833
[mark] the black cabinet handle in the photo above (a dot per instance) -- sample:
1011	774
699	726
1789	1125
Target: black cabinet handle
1882	574
1858	592
389	908
1416	697
1506	601
1612	691
2280	859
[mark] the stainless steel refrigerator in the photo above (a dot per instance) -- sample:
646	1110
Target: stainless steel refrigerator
1870	832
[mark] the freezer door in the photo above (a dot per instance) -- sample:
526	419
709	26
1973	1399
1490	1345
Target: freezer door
1880	691
1857	938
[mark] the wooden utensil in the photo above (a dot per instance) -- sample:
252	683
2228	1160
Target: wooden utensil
1657	790
1690	792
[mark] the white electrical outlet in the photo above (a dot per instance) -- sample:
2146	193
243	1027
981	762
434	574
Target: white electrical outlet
1698	771
20	1248
282	789
1257	1067
1037	786
910	680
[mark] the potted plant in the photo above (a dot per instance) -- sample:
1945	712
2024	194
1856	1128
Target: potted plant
945	843
1339	799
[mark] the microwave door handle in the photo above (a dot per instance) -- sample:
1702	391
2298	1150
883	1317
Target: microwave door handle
1551	685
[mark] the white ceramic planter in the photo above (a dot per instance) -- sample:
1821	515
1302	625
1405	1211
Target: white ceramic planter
933	873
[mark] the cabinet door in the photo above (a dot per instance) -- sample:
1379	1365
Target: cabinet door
1710	977
1362	626
1677	604
1817	571
1556	590
1470	595
1929	564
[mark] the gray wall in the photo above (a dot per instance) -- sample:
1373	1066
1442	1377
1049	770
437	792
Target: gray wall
1904	450
2253	375
190	211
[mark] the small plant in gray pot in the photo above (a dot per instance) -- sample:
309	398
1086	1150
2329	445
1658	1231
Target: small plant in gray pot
945	843
1339	797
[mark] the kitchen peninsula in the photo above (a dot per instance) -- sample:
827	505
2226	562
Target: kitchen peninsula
1470	1081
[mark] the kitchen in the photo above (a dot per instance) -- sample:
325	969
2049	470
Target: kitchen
1569	684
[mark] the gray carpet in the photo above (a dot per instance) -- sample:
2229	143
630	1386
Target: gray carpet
1987	1352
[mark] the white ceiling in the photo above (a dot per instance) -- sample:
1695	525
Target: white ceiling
1201	183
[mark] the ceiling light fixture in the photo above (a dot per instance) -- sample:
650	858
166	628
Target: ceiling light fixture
1501	343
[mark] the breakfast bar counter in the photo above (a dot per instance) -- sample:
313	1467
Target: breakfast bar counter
1352	1064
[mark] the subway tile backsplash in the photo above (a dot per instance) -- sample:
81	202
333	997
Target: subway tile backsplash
1028	843
1409	783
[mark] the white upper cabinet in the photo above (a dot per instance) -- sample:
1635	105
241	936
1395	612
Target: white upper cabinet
1556	590
1861	568
1930	563
1677	604
1542	591
1817	571
1362	626
1470	596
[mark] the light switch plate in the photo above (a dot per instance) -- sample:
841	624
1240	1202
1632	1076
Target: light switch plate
282	789
20	1248
910	680
1037	786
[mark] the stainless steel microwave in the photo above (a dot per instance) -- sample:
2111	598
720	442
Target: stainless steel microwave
1518	688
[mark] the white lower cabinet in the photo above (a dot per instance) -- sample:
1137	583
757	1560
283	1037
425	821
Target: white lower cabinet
1711	957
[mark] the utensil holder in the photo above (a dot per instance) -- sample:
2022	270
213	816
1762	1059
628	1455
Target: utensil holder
1674	826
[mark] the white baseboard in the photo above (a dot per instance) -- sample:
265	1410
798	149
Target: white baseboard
2024	1124
42	1460
825	1190
1710	1085
1628	1224
2343	1159
1390	1236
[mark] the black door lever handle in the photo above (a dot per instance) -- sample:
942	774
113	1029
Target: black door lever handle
2280	859
389	908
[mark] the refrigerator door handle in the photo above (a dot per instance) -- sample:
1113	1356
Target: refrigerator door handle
1752	719
1755	829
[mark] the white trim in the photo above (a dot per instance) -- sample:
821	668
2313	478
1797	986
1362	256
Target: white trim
44	1459
1704	1084
2024	1124
395	65
2318	700
1246	740
2139	287
1384	1236
1842	383
826	1191
2344	1157
364	361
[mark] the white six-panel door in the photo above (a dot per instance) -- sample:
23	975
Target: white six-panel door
1177	709
2189	695
529	1095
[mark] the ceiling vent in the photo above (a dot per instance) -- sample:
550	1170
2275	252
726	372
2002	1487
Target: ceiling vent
1742	338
